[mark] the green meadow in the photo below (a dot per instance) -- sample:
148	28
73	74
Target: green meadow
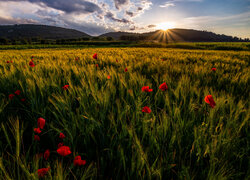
100	113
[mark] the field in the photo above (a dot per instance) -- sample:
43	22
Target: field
100	113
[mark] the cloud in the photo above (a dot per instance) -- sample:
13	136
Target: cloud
76	6
167	4
91	16
119	3
172	3
111	16
151	26
131	14
10	20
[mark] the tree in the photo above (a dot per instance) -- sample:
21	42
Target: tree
4	41
109	39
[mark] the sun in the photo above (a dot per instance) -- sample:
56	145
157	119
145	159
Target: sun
165	26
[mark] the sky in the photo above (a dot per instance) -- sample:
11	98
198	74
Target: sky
95	17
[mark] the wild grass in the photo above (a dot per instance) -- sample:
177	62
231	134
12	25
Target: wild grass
183	137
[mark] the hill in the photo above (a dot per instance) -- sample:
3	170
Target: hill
42	31
173	35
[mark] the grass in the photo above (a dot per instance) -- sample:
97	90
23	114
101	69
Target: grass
182	138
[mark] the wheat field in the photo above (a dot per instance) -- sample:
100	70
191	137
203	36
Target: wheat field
100	113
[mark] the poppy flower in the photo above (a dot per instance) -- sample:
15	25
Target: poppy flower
23	99
95	56
63	150
213	69
65	87
42	172
32	57
60	145
146	109
61	136
108	77
37	130
146	89
96	65
126	69
46	154
163	87
116	60
8	62
40	123
77	58
17	92
11	96
11	61
36	138
209	100
78	161
31	64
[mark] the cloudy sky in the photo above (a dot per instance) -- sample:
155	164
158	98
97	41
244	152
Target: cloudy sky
230	17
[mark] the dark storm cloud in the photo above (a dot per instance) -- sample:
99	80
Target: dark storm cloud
119	3
111	16
75	6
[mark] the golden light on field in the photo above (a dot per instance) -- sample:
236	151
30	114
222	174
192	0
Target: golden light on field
165	26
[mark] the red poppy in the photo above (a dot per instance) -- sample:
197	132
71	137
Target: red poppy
77	58
60	145
42	172
126	69
11	61
63	150
37	130
163	87
8	62
36	138
65	87
32	57
40	123
31	64
61	135
17	92
95	56
23	99
146	109
11	96
108	77
209	100
213	69
146	89
46	154
116	60
78	161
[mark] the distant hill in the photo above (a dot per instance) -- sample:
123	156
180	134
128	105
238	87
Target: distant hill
42	31
57	33
173	35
